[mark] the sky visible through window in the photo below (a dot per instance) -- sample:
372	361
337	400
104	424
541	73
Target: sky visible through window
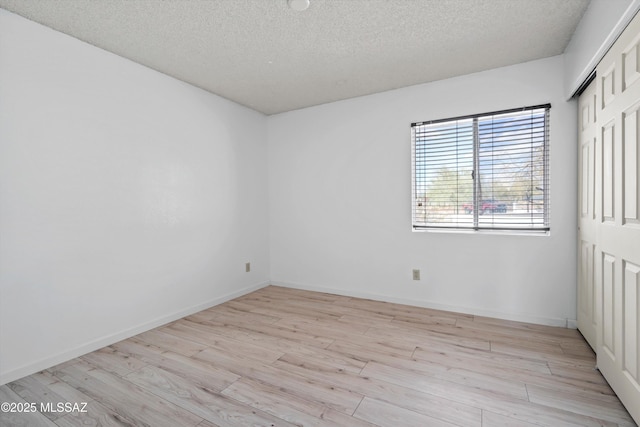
504	182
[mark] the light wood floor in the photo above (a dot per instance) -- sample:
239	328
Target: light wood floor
284	357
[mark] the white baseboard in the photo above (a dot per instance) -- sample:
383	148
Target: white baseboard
572	324
96	344
547	321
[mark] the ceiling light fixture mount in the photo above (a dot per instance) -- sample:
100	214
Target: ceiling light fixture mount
298	5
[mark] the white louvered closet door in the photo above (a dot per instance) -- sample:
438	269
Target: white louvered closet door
612	240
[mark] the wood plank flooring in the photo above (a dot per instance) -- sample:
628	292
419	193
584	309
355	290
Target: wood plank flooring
285	357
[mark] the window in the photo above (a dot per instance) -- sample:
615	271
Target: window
482	172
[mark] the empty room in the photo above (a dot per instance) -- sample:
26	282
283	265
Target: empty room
320	213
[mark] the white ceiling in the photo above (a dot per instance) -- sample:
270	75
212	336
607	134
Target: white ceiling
266	56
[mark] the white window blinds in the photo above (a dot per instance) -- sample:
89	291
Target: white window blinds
486	171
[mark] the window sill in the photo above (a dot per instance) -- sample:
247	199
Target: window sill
536	233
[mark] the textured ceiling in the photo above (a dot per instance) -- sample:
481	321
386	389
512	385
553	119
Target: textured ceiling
266	56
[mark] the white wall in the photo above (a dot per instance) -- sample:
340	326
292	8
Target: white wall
127	198
602	23
340	202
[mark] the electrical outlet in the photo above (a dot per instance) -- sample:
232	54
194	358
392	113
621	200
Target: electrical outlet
247	267
416	274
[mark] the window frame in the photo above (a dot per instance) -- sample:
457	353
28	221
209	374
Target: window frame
541	226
